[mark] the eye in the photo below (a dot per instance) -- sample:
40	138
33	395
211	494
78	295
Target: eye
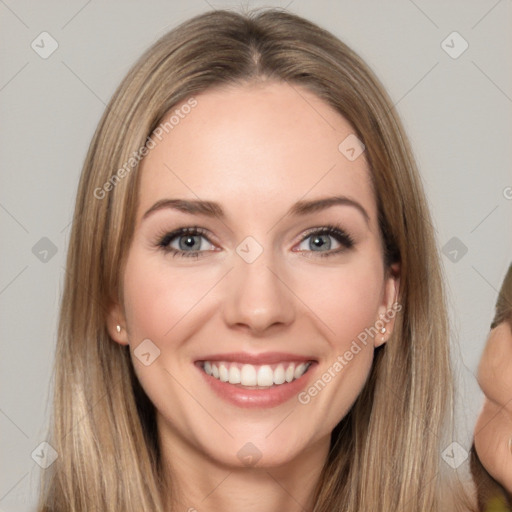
320	240
186	242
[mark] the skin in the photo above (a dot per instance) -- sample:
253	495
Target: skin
256	150
493	430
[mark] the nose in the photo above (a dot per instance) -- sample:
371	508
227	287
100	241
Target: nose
257	296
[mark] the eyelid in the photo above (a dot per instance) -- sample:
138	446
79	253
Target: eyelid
181	231
165	237
342	237
340	234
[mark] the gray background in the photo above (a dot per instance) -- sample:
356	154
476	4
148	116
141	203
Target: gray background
457	112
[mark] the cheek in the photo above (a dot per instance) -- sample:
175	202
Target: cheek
157	297
345	300
160	305
346	303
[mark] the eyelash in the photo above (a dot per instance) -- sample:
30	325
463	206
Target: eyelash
336	232
167	238
343	238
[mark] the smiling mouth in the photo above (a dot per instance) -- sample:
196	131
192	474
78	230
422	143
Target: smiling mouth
248	376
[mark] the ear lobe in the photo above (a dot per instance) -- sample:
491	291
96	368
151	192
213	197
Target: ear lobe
116	324
389	307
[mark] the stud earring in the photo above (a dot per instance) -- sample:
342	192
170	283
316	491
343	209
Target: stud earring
118	328
383	330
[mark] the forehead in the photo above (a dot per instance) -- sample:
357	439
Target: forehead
260	145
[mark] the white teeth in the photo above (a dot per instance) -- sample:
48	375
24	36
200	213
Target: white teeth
234	375
279	377
290	371
250	375
265	376
299	370
223	373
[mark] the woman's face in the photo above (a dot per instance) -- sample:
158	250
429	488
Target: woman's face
261	283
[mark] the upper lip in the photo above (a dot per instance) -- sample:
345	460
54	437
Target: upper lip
257	359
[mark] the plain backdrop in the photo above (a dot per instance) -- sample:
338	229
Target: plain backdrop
456	106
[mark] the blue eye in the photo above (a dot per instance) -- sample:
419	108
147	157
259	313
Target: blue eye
320	241
189	243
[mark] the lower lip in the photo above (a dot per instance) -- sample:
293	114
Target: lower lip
254	398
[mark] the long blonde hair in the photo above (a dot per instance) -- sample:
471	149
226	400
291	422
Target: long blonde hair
385	453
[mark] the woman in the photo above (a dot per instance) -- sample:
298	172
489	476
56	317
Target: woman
208	356
493	430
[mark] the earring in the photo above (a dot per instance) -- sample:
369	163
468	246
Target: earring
383	330
118	328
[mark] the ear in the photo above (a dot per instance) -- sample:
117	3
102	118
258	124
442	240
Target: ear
116	324
389	307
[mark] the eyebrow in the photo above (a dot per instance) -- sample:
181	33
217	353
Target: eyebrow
213	209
